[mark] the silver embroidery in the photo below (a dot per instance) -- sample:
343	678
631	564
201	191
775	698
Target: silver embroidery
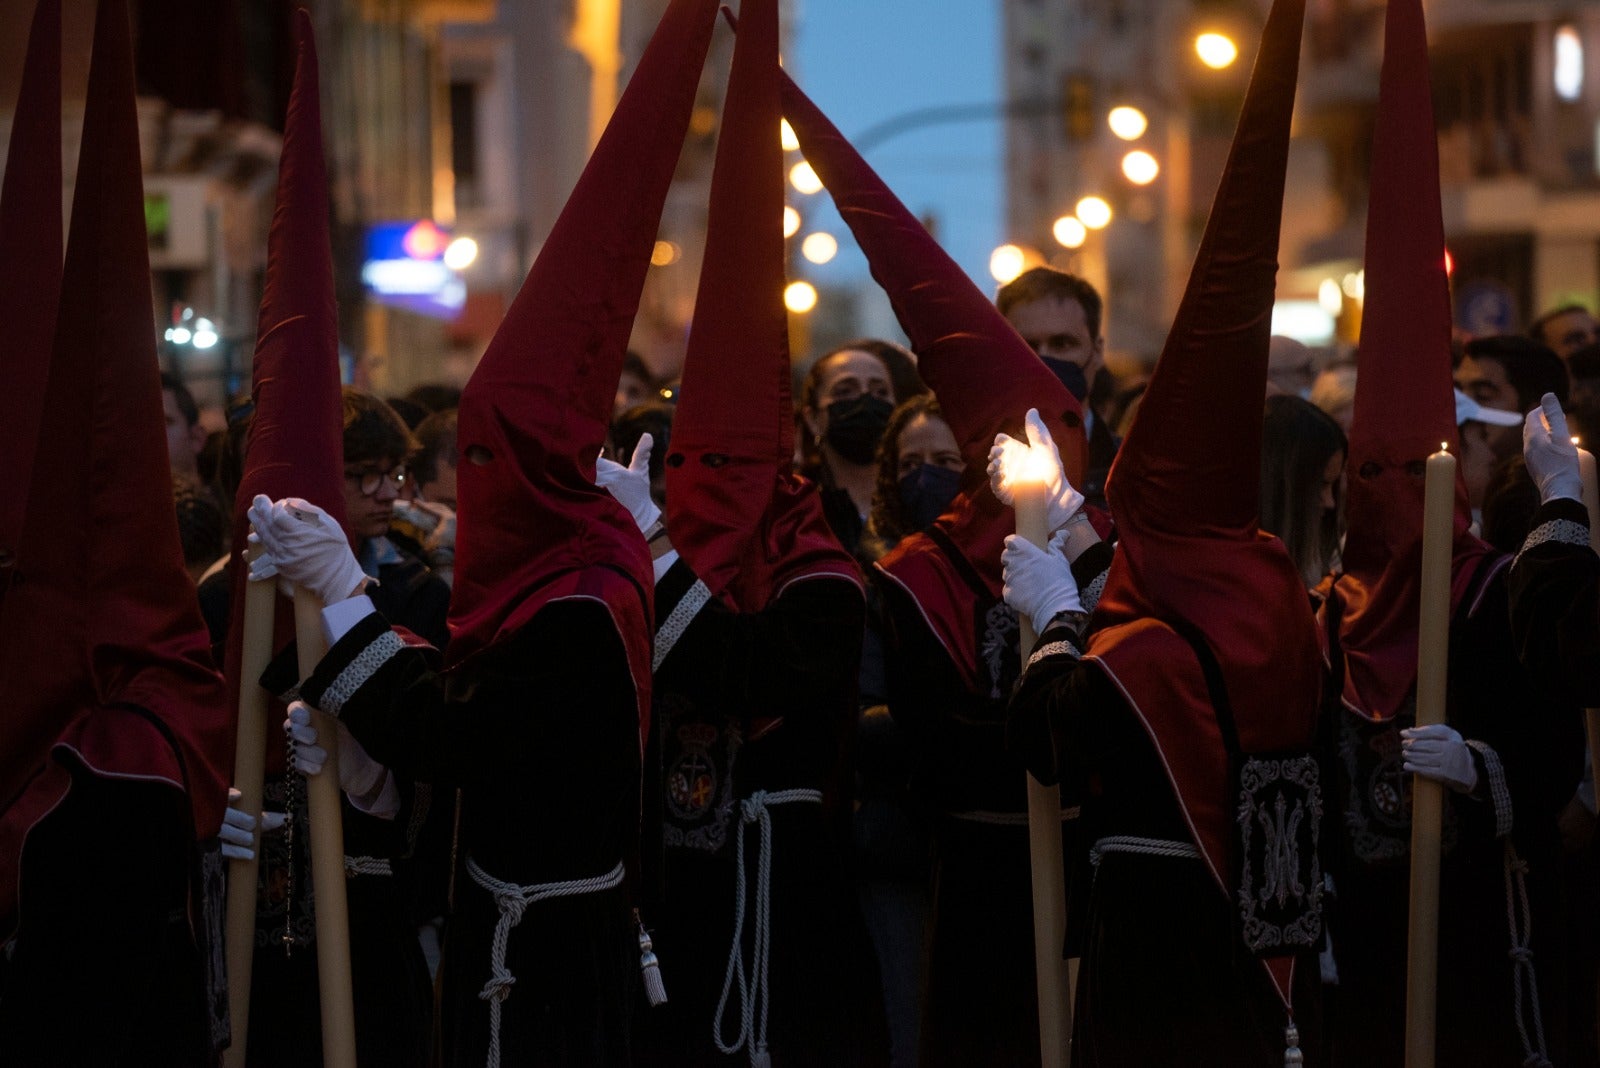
1091	593
359	670
1053	649
677	622
1560	531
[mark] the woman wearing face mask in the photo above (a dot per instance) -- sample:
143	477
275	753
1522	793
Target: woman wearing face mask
919	474
845	403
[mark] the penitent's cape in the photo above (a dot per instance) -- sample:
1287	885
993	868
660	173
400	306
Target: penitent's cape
1184	493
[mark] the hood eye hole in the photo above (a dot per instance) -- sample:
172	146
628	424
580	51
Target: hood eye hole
675	460
1371	470
479	455
715	460
1417	468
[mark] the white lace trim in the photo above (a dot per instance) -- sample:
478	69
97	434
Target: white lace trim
677	622
1091	593
1560	531
1053	649
359	670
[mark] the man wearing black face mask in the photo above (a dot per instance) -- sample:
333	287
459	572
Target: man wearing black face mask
845	404
1058	315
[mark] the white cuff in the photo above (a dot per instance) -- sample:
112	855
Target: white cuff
386	805
664	562
340	618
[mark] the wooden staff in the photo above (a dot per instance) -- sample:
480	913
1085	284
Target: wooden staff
1427	796
1044	839
326	817
249	773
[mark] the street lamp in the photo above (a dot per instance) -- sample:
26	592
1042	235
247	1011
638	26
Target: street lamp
1006	262
1127	122
1140	167
1216	50
800	297
819	247
1070	232
791	221
787	137
804	178
1094	212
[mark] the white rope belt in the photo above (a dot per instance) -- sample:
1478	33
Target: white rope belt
512	900
1150	847
354	866
753	979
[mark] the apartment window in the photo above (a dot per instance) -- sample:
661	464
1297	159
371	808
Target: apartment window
1568	68
464	141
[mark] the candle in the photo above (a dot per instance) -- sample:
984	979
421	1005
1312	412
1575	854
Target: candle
1591	494
1031	502
1427	796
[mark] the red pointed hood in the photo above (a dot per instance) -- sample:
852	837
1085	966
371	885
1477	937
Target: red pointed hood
985	376
119	587
534	528
739	518
1184	489
30	263
296	443
1405	404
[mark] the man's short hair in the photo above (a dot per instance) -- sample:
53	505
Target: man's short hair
180	393
1531	367
372	430
1536	328
1047	283
436	441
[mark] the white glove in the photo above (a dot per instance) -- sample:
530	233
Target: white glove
1438	753
1039	582
238	832
631	485
1011	460
1552	457
359	775
303	546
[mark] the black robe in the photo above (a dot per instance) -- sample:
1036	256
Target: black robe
540	734
981	1006
761	701
1534	735
398	870
1165	978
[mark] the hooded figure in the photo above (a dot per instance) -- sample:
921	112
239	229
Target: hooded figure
759	616
540	715
1512	750
295	449
117	734
952	649
1204	656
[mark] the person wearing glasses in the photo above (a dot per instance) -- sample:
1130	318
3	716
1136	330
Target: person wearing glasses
396	833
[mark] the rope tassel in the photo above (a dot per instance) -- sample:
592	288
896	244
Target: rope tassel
1292	1057
649	966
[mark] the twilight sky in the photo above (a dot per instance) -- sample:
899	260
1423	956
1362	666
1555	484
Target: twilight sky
864	61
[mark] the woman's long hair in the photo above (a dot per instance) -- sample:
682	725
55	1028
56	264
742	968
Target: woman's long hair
1297	441
888	522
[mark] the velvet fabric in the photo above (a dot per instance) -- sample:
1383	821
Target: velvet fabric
1405	404
1184	495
